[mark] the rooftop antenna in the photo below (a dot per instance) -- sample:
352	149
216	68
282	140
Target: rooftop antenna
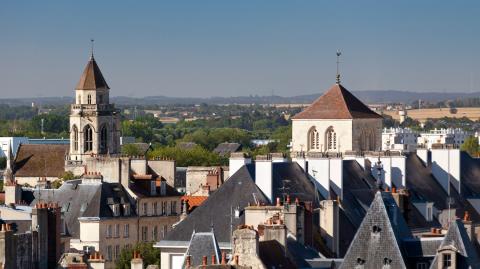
91	47
338	65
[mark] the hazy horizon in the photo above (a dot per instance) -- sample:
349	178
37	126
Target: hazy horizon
227	49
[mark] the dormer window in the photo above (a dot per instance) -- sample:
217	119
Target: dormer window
115	209
126	209
89	99
447	260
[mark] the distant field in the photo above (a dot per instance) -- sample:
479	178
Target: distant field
421	115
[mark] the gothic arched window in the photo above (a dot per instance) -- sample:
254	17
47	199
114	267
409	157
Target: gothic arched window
75	137
89	99
103	139
331	139
88	138
313	139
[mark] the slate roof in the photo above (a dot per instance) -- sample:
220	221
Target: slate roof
457	237
83	200
337	103
203	244
378	240
92	78
237	191
225	149
40	160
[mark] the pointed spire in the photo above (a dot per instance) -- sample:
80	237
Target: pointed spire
92	78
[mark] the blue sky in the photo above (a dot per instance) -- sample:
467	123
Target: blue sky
232	48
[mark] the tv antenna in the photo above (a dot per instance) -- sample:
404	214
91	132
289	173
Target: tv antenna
339	53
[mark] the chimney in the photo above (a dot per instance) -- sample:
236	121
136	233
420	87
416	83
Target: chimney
329	224
96	261
401	199
137	261
275	230
7	247
224	258
467	223
213	259
237	160
264	175
40	225
188	262
279	157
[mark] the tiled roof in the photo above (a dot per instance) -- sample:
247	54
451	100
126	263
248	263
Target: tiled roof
194	201
40	160
337	103
92	77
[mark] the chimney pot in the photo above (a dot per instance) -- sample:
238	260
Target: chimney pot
204	260
224	258
394	190
466	216
213	259
288	199
278	202
189	261
297	201
236	259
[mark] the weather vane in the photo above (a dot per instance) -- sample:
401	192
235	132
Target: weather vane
338	64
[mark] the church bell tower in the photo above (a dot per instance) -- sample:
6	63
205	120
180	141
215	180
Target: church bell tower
94	122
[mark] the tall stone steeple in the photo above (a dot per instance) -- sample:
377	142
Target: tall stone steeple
94	122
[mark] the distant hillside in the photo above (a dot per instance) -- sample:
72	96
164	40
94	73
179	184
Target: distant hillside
366	96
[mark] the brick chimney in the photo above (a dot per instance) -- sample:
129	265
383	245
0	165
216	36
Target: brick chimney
401	199
467	223
96	261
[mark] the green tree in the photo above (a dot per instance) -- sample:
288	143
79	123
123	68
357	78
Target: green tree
150	255
471	146
198	156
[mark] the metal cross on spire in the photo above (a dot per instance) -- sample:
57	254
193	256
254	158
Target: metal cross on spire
91	47
338	66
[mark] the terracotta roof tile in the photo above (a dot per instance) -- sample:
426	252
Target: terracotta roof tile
92	77
194	201
337	103
40	160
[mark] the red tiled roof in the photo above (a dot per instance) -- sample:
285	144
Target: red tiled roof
337	103
40	160
194	201
92	78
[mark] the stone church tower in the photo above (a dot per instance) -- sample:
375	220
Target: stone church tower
94	122
336	122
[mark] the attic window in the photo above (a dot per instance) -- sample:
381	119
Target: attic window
387	261
376	229
360	263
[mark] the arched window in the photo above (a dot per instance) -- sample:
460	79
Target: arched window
313	139
88	138
89	99
103	139
331	139
75	137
